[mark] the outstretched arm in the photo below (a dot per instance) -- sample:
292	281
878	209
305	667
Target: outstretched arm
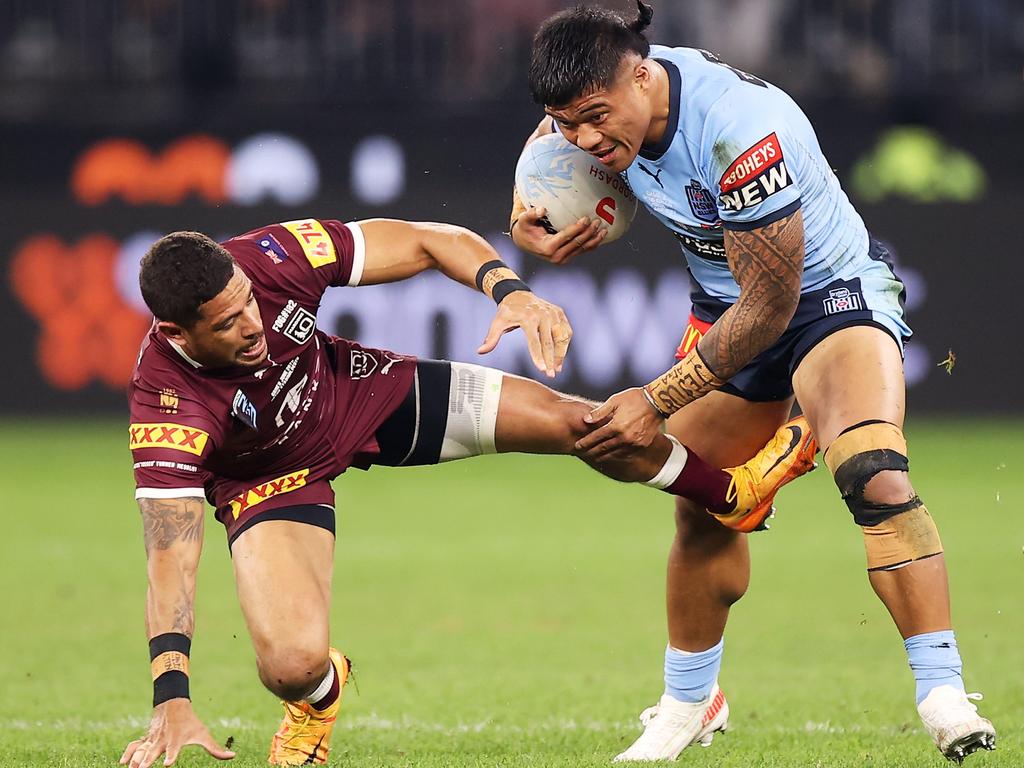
767	263
173	534
396	250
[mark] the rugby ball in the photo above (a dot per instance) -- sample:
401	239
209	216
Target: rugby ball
570	183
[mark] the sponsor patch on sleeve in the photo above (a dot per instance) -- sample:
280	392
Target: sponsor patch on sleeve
315	242
176	437
272	248
754	176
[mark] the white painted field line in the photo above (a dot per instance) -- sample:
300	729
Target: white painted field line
374	722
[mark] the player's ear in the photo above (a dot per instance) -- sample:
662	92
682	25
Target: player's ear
172	331
642	75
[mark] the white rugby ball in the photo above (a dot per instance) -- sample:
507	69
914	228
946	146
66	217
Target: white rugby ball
570	183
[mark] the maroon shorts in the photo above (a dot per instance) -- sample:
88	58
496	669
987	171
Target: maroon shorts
408	431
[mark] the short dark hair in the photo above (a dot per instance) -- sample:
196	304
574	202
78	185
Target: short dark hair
579	50
182	271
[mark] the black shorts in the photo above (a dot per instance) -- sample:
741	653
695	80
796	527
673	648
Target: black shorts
875	298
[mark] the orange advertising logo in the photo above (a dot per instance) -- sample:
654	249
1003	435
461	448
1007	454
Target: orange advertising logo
126	169
259	494
177	437
315	242
88	333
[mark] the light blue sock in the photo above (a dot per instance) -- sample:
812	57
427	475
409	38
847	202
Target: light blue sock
691	676
935	661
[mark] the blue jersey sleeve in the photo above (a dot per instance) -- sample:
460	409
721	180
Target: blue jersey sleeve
744	151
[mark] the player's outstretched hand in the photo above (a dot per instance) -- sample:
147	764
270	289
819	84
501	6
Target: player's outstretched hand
560	248
174	725
624	423
545	325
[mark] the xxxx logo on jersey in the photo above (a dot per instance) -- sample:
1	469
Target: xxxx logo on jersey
264	491
176	437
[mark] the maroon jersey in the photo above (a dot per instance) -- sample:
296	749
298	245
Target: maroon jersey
256	439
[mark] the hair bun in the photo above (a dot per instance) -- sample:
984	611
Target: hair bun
643	18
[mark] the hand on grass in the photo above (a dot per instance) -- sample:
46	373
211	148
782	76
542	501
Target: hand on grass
174	725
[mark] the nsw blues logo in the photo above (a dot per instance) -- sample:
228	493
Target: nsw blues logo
702	202
842	300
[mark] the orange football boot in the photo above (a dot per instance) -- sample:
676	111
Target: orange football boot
788	455
304	737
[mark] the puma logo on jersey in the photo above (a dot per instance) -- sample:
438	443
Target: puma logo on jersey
654	176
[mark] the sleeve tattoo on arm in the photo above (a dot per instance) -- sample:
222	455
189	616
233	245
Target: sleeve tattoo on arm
166	521
768	265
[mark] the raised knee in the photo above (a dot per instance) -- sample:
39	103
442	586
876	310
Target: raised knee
870	466
869	463
292	671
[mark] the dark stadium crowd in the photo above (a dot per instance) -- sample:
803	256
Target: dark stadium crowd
474	50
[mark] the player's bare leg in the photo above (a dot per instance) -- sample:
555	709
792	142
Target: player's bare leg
851	388
853	376
283	575
708	571
708	564
534	419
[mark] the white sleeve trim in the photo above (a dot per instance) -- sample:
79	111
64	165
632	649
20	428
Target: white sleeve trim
358	253
169	493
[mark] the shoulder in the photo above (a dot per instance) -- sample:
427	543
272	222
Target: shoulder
164	392
317	252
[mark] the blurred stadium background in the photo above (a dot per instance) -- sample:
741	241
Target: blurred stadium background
122	120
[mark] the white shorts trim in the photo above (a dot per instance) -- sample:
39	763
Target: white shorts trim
358	253
169	493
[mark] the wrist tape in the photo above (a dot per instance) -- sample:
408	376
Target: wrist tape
684	382
496	280
168	663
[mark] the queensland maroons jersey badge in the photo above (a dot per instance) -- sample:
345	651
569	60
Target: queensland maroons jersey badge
702	202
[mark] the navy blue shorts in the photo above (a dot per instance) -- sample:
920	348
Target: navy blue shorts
874	298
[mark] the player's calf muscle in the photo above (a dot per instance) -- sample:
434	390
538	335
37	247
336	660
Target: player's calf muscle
535	419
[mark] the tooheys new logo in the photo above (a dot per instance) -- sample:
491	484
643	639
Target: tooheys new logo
755	175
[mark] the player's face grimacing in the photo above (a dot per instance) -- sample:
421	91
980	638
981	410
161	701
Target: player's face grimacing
611	123
229	331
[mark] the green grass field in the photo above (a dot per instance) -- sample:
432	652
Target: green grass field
507	611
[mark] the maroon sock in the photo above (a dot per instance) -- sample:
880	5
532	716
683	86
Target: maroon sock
702	483
332	695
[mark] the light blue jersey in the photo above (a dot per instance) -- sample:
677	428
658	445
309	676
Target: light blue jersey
738	154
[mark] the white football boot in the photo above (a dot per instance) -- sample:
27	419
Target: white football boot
954	724
670	726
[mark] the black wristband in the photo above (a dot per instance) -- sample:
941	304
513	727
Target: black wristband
484	269
169	641
504	287
170	685
168	656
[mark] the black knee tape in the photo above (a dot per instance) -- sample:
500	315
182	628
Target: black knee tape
853	475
